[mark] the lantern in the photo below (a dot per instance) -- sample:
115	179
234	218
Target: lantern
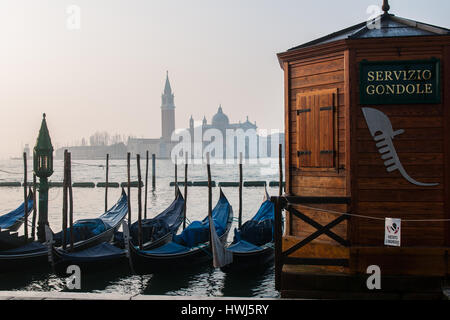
43	153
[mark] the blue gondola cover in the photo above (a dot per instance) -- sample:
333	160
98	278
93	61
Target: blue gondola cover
258	230
9	219
243	246
198	232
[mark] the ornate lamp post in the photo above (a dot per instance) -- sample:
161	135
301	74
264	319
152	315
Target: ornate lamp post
43	168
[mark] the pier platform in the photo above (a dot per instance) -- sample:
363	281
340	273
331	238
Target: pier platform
310	282
39	295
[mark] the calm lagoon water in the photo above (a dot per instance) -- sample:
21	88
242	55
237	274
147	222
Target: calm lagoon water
89	203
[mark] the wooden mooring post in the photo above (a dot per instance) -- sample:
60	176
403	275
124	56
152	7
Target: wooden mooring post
176	175
145	186
280	165
69	178
208	169
25	196
106	180
185	190
153	171
33	222
138	163
64	207
240	190
129	187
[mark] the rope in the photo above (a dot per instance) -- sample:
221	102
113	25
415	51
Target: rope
374	218
10	172
98	165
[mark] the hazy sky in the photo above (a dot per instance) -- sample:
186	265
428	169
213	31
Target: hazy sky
109	74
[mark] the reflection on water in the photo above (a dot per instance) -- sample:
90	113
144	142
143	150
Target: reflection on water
89	203
203	281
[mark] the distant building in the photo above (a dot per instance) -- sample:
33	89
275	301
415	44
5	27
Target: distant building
221	122
161	147
115	151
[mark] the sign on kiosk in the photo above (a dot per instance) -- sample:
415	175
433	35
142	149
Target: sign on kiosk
392	232
400	82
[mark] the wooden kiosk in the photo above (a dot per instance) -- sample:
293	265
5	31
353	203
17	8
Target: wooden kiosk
367	124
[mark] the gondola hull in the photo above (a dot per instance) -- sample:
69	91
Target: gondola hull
100	263
254	260
10	262
187	252
20	262
145	264
87	265
17	260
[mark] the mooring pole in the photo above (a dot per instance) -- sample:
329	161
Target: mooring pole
33	223
106	184
145	187
208	169
185	189
64	209
240	190
25	196
69	178
138	162
153	171
280	165
129	188
176	176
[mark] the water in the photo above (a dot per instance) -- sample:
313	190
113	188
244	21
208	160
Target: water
89	203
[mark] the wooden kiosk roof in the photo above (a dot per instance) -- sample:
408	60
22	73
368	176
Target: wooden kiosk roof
391	26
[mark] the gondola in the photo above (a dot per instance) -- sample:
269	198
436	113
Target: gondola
156	232
253	243
14	219
11	222
87	233
187	249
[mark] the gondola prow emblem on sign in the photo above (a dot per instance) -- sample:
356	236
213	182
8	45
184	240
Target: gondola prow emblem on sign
380	128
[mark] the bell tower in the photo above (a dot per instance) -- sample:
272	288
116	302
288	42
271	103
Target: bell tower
167	111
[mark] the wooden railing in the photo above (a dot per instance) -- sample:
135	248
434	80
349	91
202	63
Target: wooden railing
282	257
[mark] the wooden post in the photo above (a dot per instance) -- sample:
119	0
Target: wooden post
185	190
145	187
208	168
64	209
106	185
129	188
280	165
138	162
278	246
69	182
153	171
240	190
25	196
176	176
33	223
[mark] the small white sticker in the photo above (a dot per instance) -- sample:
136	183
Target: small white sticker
392	232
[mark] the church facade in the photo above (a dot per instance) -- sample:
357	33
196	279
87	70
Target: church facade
235	138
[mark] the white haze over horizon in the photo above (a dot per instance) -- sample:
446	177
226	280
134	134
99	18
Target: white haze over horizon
109	74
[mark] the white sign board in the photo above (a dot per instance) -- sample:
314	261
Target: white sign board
392	232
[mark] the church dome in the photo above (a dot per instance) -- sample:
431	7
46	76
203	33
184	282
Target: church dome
220	119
